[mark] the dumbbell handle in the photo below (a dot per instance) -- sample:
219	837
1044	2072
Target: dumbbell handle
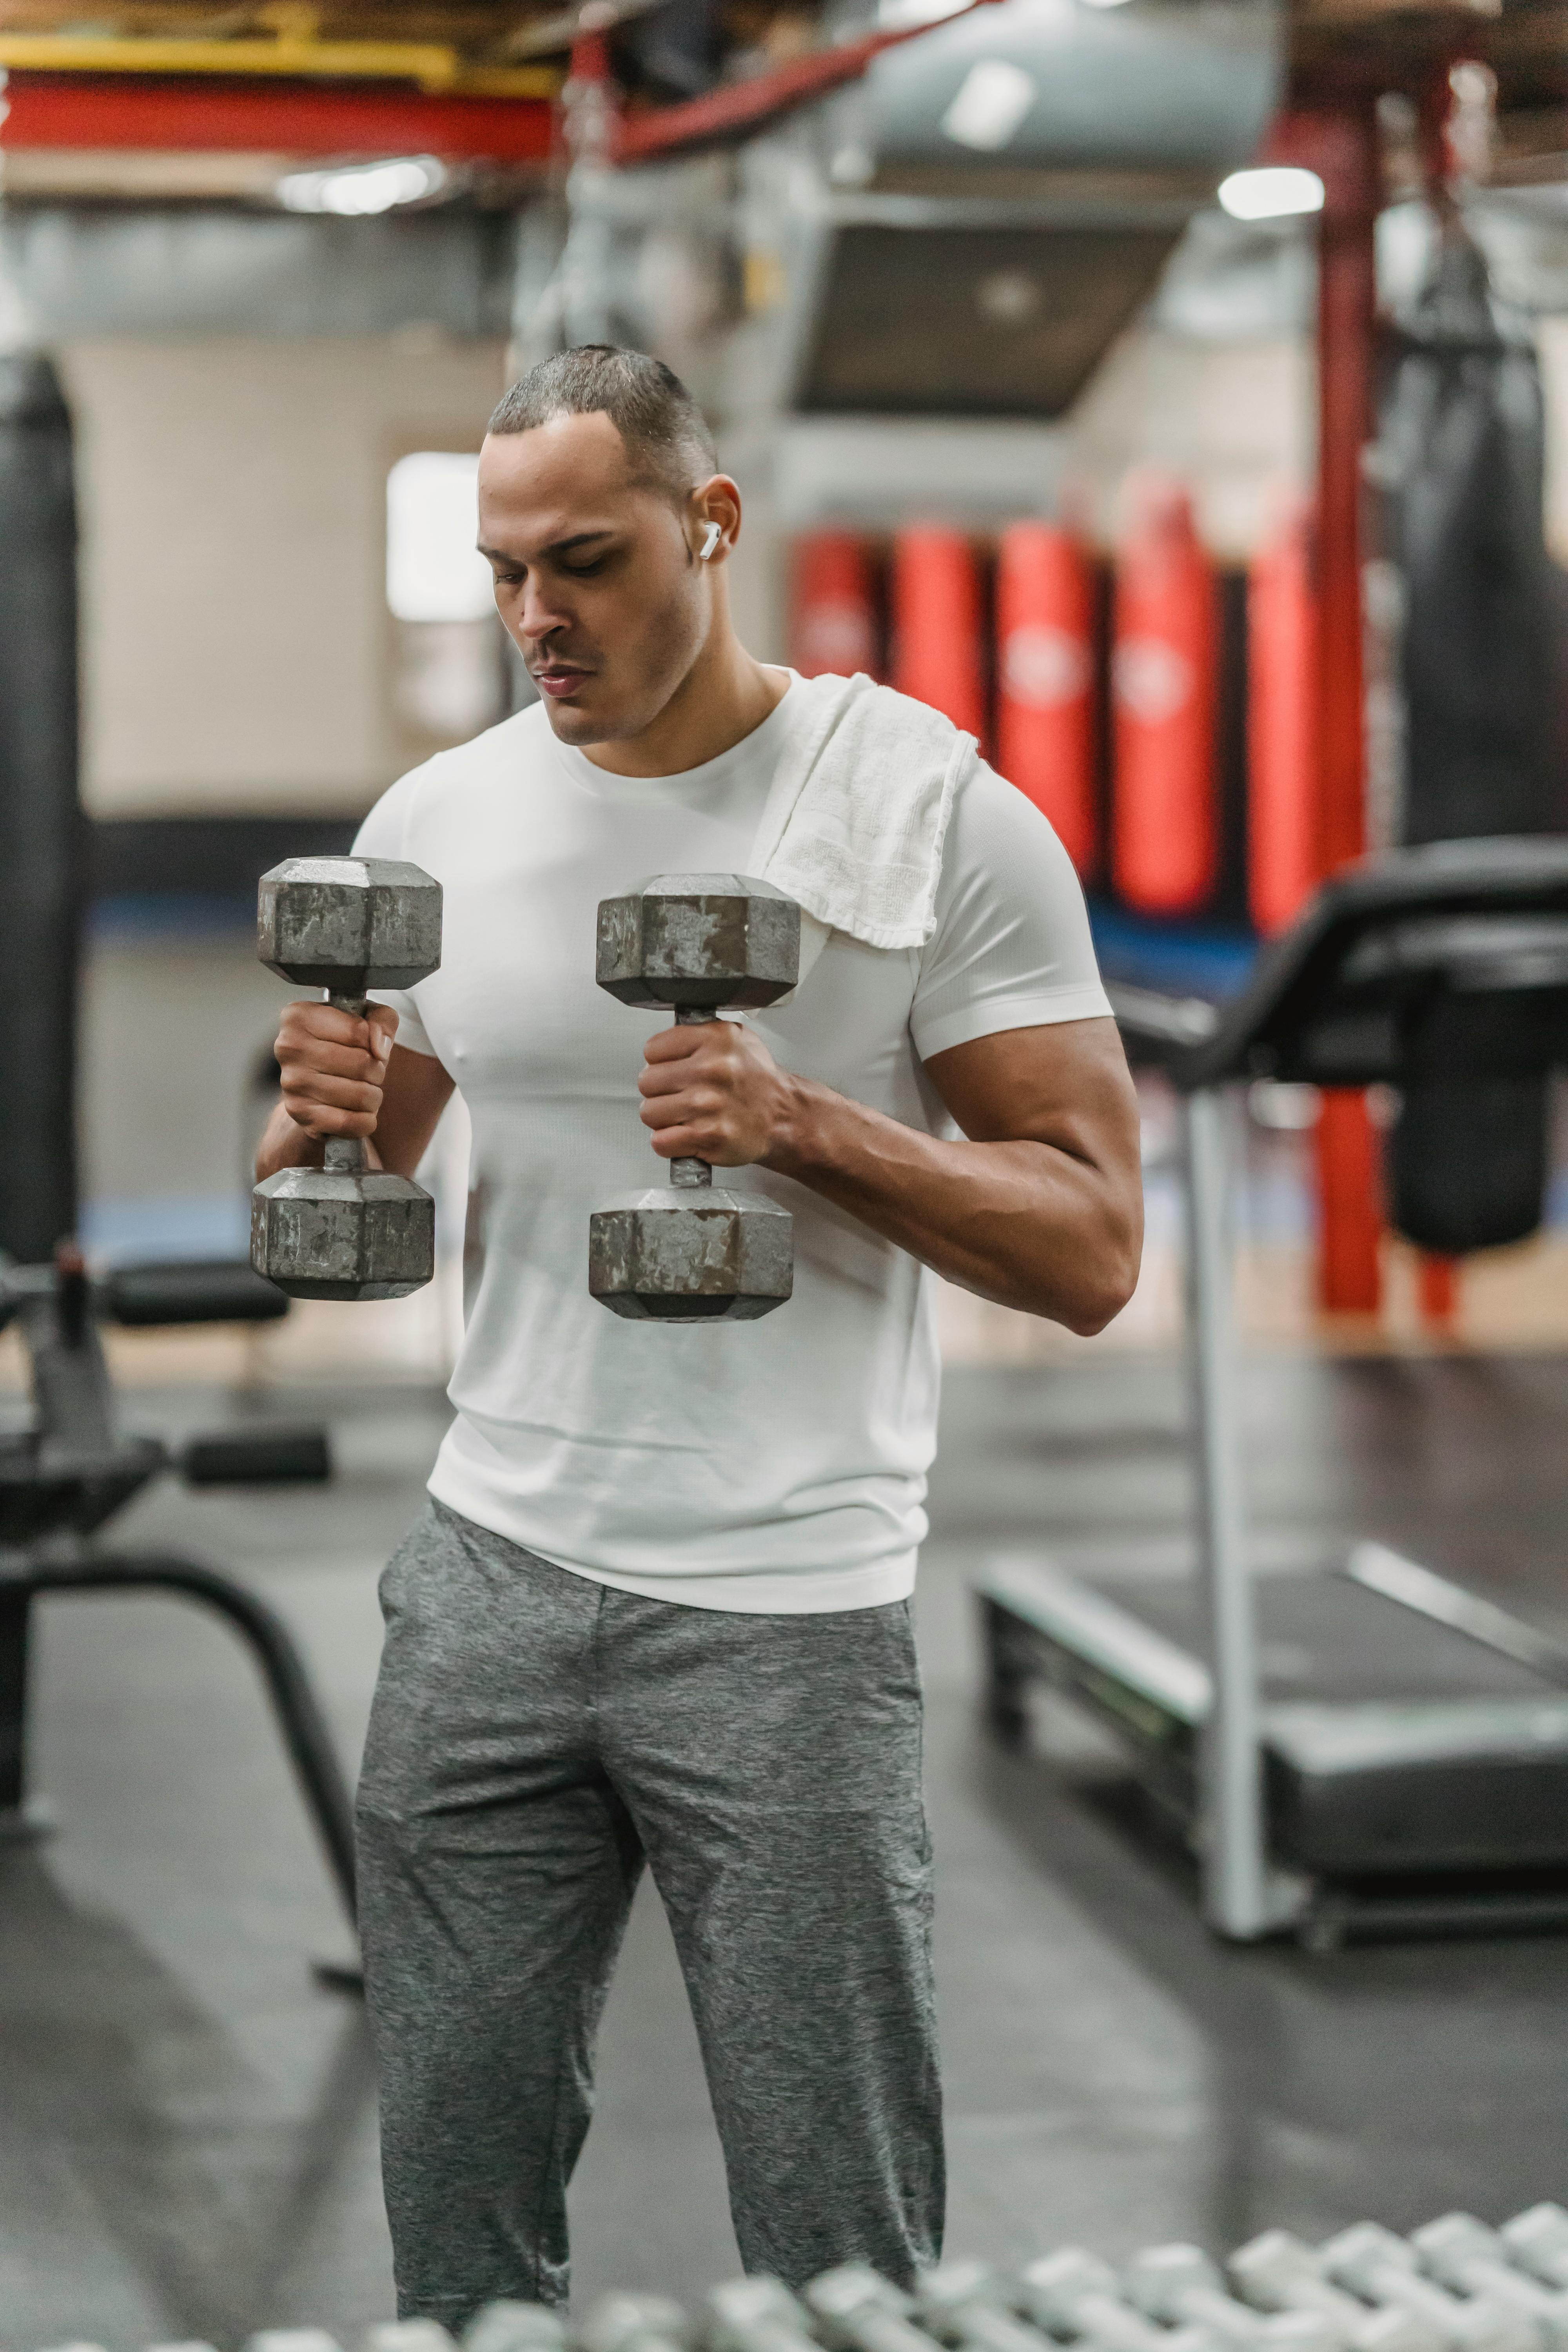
346	1153
691	1173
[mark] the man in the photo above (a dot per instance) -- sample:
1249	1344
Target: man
659	1603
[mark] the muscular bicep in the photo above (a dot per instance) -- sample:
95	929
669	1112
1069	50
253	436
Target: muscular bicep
415	1092
1065	1084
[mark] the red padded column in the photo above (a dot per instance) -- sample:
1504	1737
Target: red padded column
1438	1290
833	614
937	624
1349	1221
1282	749
1044	695
1163	828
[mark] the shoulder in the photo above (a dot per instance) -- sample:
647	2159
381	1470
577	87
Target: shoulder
445	785
994	829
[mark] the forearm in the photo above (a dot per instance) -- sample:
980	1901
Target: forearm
1027	1223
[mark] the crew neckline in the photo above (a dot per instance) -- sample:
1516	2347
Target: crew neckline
764	742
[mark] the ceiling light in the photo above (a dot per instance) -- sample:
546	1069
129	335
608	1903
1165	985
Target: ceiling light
991	103
1271	193
363	188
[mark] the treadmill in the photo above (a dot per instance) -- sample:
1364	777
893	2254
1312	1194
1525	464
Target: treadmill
1374	1749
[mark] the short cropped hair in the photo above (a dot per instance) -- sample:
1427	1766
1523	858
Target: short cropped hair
666	434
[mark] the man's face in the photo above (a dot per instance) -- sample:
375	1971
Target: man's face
595	575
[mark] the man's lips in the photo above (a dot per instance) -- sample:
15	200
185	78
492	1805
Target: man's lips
560	680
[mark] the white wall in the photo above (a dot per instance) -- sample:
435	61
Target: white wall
235	638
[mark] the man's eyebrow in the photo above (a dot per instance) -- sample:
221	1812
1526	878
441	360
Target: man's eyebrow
557	547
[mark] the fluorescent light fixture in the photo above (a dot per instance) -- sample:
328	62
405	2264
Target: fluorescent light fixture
1271	193
358	189
434	572
992	102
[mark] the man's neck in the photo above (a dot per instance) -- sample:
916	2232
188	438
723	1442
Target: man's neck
724	697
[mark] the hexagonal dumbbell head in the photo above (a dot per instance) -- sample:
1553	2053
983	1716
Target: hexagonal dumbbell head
706	941
692	1254
695	1254
349	924
342	1233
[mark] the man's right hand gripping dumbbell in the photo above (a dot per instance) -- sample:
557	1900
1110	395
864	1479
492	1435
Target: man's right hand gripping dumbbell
337	1216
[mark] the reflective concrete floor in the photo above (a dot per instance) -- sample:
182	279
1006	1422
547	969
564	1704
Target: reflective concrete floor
187	2137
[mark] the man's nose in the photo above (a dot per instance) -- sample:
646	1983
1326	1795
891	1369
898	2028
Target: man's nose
537	615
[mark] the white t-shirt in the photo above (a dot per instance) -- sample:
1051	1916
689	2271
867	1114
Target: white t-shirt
778	1466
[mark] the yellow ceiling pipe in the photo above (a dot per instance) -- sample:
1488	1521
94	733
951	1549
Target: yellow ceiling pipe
295	51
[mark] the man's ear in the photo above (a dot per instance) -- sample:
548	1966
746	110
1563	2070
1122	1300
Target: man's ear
715	518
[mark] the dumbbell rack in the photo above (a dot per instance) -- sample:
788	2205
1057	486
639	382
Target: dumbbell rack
1455	2286
67	1475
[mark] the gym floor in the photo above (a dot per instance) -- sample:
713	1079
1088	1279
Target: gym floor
187	2137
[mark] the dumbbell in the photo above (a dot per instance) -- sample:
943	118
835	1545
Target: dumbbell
509	2326
692	1251
1462	2253
857	2310
1281	2274
755	2314
970	2307
1538	2242
634	2323
1073	2293
346	1230
1179	2285
1375	2263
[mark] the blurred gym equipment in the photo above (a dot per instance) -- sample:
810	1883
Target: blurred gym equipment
1005	195
695	1253
936	625
1163	688
1045	698
833	620
346	1230
40	822
1460	459
1394	1755
63	1480
1404	2304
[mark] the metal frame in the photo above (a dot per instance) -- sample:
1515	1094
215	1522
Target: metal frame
1243	1897
24	1576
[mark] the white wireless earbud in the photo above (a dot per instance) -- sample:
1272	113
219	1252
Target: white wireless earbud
711	538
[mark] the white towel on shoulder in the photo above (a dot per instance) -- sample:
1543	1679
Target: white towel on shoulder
854	821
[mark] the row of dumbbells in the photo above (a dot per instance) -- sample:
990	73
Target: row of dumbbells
1455	2286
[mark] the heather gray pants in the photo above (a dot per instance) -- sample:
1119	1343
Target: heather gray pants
534	1737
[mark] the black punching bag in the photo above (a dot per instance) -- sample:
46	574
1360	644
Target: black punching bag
1461	450
41	833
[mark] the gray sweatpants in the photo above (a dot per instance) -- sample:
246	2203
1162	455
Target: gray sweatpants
534	1737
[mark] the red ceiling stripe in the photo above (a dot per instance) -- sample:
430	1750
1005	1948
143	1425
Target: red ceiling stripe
284	117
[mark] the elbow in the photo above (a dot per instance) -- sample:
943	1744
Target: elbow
1104	1281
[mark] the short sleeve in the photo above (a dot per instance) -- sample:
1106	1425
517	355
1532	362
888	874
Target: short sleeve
385	834
1012	947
